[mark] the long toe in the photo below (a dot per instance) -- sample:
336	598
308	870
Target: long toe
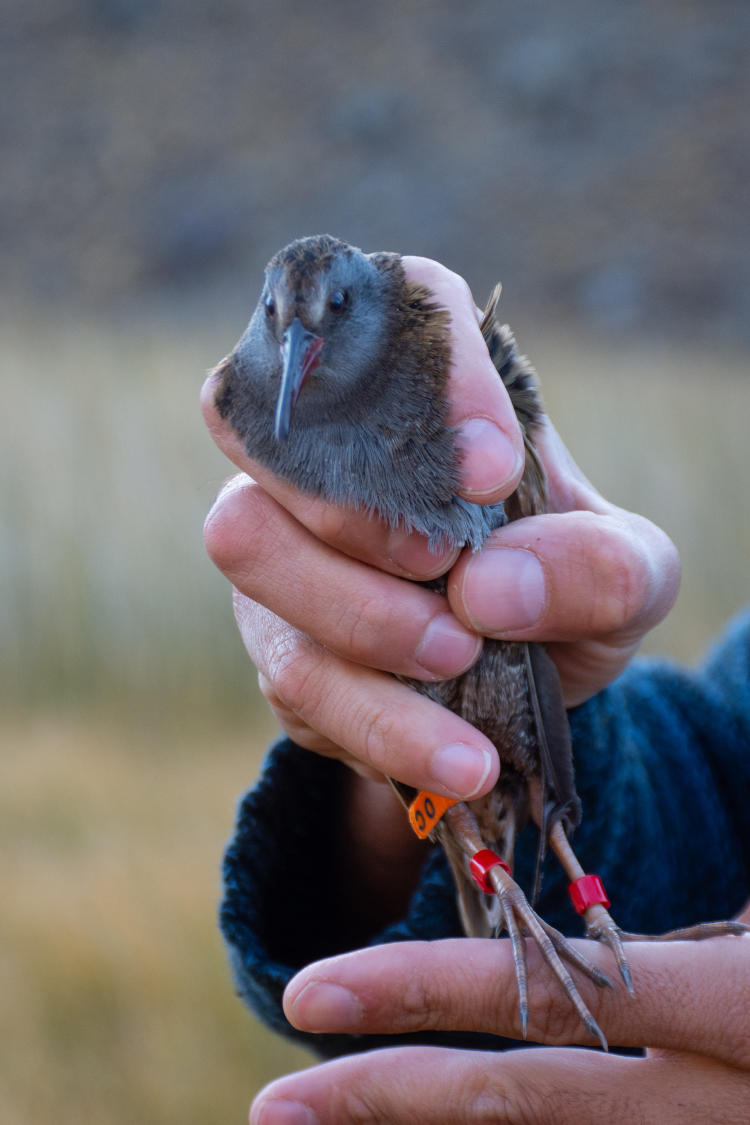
702	932
570	954
515	903
604	929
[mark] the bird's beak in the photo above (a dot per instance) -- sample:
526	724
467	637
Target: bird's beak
300	351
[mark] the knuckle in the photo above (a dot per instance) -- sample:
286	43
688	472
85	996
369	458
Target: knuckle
358	1109
262	632
555	1019
374	730
637	572
218	533
420	1005
292	672
557	1024
620	572
663	572
237	525
329	521
487	1099
269	693
361	623
459	284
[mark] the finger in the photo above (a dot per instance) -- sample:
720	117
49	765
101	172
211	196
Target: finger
359	612
432	1086
383	724
561	577
590	578
689	995
299	731
589	569
489	436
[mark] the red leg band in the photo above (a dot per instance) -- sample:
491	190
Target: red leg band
480	863
587	891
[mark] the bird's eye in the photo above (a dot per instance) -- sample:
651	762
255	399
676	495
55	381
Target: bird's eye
270	306
337	301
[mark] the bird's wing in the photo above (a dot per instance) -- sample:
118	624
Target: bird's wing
559	800
555	747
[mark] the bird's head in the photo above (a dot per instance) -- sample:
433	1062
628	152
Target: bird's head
321	323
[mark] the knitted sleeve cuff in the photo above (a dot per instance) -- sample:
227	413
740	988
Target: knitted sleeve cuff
281	908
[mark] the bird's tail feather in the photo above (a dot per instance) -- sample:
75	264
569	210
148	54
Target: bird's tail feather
520	381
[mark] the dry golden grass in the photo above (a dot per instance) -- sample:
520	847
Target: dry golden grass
117	1002
120	664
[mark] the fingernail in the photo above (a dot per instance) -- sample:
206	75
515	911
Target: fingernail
490	460
461	769
504	590
411	553
280	1111
326	1007
447	648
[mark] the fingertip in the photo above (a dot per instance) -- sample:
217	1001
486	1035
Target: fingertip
489	437
269	1110
500	590
323	1006
463	772
232	511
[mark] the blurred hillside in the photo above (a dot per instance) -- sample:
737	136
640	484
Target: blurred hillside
153	155
593	156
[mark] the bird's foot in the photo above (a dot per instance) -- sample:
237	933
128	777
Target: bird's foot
520	919
700	932
601	927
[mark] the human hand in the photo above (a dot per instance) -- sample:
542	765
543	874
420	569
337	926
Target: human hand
690	1006
324	610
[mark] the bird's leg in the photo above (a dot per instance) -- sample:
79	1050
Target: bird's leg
600	925
520	919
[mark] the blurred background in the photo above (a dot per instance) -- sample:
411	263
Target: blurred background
154	154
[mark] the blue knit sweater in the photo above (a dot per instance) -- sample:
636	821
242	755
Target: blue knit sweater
663	771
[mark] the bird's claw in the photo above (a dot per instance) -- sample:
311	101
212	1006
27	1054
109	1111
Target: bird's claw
602	927
520	918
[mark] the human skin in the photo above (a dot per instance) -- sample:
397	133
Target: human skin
690	1006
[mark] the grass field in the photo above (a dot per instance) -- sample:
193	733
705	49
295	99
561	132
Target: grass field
117	1003
130	717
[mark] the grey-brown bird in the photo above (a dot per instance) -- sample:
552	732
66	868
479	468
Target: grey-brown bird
339	386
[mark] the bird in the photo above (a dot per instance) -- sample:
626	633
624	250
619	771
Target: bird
339	386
